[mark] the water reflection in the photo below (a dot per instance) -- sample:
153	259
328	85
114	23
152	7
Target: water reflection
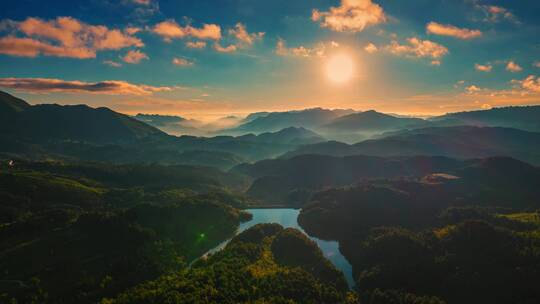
288	218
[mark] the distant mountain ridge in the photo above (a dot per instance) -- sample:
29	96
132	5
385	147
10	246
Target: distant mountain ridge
522	117
373	121
275	121
84	133
458	142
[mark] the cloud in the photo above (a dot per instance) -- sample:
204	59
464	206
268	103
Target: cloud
169	30
319	50
452	31
208	31
113	64
134	57
228	49
132	30
536	64
472	89
242	35
483	68
418	48
109	87
494	14
435	62
371	48
64	37
182	62
350	16
196	44
513	67
142	2
530	84
27	47
243	38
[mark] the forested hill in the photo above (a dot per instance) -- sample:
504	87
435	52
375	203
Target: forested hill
76	123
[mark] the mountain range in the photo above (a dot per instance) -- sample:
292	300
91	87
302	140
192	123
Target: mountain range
458	142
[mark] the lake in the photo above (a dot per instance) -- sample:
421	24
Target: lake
287	218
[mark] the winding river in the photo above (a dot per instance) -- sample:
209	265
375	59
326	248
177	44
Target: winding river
287	218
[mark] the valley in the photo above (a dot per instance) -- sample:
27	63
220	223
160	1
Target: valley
416	214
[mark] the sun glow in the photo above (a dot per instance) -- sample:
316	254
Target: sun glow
339	68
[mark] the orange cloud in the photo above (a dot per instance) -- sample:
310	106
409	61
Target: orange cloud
182	62
483	68
472	89
513	67
142	2
418	48
134	57
109	87
208	31
65	37
242	35
169	30
27	47
228	49
371	48
452	31
350	16
493	13
531	83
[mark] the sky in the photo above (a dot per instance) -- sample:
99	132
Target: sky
206	59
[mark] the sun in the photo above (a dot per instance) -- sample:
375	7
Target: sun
339	68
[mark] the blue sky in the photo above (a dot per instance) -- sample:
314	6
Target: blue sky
207	59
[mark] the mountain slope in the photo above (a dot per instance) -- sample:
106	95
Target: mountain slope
373	121
274	121
76	123
9	103
526	118
291	135
457	142
278	180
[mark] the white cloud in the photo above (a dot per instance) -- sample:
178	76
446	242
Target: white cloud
319	50
350	16
113	64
